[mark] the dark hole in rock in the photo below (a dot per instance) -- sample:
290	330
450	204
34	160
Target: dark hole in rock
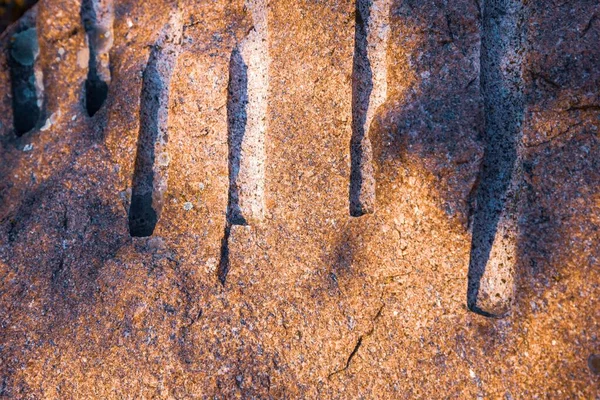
142	217
100	41
24	50
96	91
12	10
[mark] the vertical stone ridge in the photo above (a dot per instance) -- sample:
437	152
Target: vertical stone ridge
495	224
26	79
247	125
369	91
97	17
247	120
152	158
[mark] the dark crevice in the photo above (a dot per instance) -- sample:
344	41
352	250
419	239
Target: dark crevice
588	25
478	8
503	104
146	200
99	41
350	357
361	195
24	50
96	90
354	351
360	341
223	267
585	107
237	119
559	135
543	78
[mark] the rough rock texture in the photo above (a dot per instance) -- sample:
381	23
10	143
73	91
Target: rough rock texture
306	301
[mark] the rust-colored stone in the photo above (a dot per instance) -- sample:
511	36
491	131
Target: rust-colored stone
293	295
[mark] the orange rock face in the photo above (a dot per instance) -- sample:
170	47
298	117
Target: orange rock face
300	199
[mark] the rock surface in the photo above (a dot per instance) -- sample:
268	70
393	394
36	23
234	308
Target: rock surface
301	300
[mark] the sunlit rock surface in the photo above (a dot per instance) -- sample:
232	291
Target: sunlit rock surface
426	293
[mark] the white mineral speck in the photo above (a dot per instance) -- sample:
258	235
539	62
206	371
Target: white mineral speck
83	57
46	126
28	147
163	159
187	206
211	264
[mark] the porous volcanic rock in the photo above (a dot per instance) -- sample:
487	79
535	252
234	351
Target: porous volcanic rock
175	199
